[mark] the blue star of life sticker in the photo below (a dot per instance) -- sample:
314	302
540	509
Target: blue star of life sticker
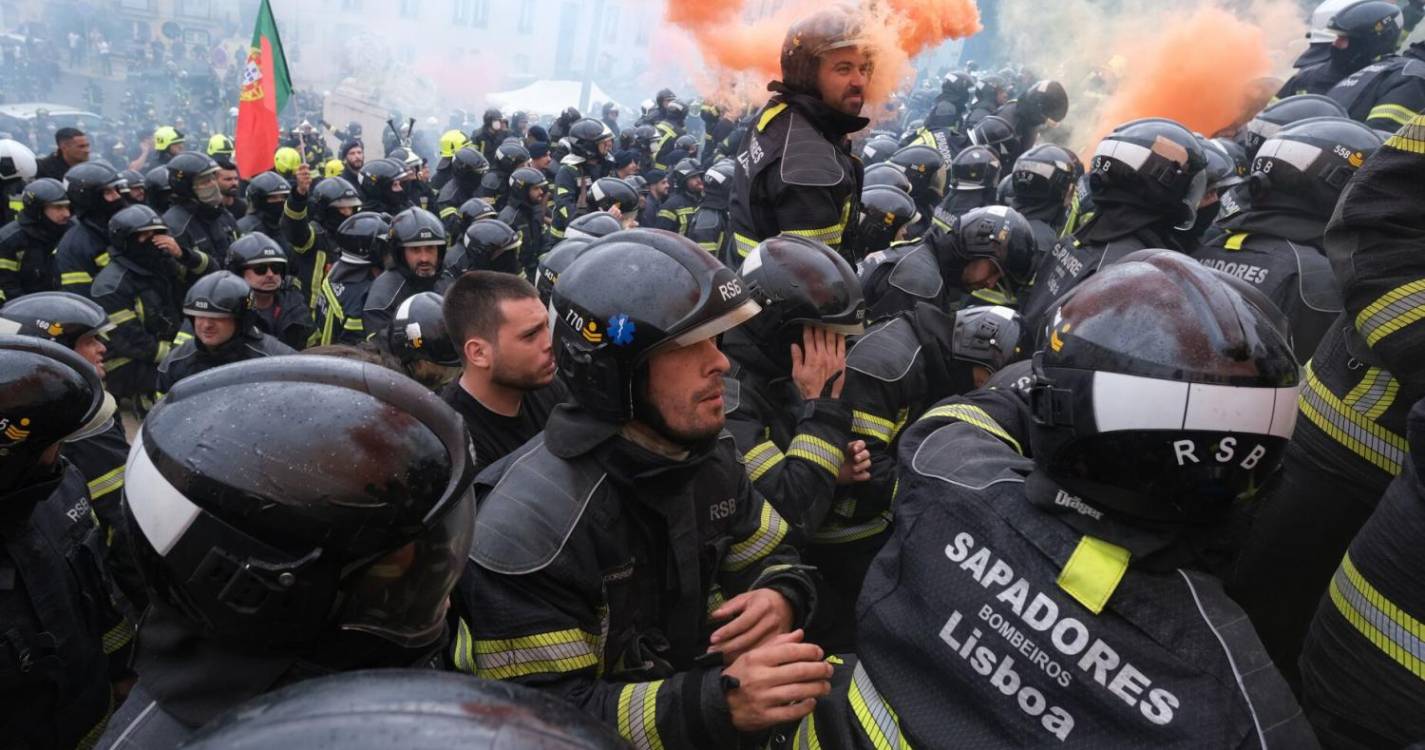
621	330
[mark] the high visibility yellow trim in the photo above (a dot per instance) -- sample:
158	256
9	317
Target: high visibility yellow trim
806	738
73	278
830	533
1374	394
106	483
1235	241
877	719
1093	572
1393	112
818	451
120	317
976	416
638	715
1367	439
771	530
1392	312
9	265
118	636
769	115
101	260
449	211
761	459
541	653
869	425
164	348
294	215
1387	626
1410	138
744	244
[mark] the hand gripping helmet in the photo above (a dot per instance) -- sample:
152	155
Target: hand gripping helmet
878	149
1045	100
998	233
86	184
417	332
127	225
379	182
592	226
1043	175
884	211
1153	163
255	249
469	165
426	709
607	192
522	180
17	161
554	262
277	542
975	168
184	171
810	38
332	194
995	133
510	156
1163	390
157	192
63	317
364	238
220	294
799	282
490	245
1284	112
886	174
923	167
452	141
47	393
268	185
38	195
630	295
989	336
1305	166
586	135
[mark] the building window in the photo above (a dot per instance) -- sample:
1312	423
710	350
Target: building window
526	24
472	12
410	8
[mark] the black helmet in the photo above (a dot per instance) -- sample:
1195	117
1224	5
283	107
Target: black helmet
586	135
1131	386
998	233
63	317
1283	112
810	38
989	88
675	112
687	143
975	168
491	115
570	114
554	262
1044	100
922	165
886	174
510	156
645	135
469	164
605	334
157	192
800	282
491	245
994	132
878	149
683	171
1043	174
132	179
1373	26
1221	168
184	171
125	227
268	185
957	86
364	238
638	182
85	183
47	393
1004	191
611	191
664	96
282	542
1304	167
592	226
255	249
989	336
379	179
1241	165
884	211
717	183
219	294
416	227
1155	164
426	709
417	332
474	210
524	178
331	194
44	192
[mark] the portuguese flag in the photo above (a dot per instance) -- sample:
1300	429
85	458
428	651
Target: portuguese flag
265	88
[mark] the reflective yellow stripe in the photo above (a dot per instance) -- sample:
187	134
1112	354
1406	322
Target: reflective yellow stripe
9	265
770	114
101	260
106	483
744	244
1093	572
715	599
1361	436
976	416
118	636
877	719
638	715
993	297
181	337
294	215
115	363
870	425
1235	241
761	459
353	324
557	651
164	348
1390	628
818	451
823	234
1394	311
709	246
669	215
806	738
829	533
1393	112
771	530
1374	394
449	211
120	317
1410	138
462	655
17	205
72	278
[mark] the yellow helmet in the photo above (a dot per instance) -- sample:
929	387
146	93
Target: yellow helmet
220	144
452	141
333	168
166	136
286	160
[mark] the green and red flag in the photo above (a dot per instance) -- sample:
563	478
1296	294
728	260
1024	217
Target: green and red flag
265	88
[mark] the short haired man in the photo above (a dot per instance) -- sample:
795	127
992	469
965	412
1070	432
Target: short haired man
71	146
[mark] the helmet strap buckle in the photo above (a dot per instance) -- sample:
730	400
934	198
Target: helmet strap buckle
252	585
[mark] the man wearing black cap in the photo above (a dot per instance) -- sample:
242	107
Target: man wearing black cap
353	158
625	163
657	193
540	159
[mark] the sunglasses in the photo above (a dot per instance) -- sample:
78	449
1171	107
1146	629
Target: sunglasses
265	268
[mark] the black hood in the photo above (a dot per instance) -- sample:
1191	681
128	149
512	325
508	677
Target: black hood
832	124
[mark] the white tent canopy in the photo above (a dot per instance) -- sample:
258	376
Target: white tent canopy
545	97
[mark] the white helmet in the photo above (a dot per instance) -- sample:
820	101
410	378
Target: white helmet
17	161
1321	19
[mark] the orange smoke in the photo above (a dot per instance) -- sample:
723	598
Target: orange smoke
742	55
1204	72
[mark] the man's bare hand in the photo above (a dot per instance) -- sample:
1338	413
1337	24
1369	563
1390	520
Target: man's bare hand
755	617
857	466
778	683
168	245
304	179
820	357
